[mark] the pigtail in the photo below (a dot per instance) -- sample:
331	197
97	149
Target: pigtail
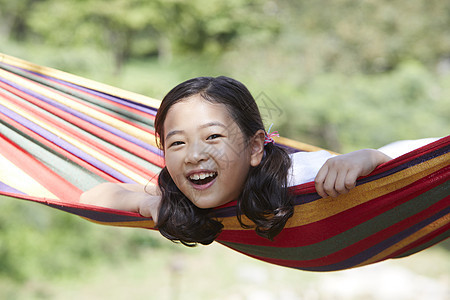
180	220
265	199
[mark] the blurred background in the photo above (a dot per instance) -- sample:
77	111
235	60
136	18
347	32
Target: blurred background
338	74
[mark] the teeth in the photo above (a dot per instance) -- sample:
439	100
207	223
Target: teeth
201	176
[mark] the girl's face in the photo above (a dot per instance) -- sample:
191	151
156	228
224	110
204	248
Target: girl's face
206	153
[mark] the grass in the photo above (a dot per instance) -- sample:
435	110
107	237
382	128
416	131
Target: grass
215	272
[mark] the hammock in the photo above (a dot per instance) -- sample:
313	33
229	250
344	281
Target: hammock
61	134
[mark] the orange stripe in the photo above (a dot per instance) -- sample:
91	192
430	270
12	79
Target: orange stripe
146	224
41	173
82	108
387	253
299	145
108	89
75	142
16	178
327	207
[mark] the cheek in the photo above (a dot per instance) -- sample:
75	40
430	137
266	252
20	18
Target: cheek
220	159
231	152
172	164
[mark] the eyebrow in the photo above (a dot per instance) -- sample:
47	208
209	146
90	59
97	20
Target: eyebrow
214	123
209	124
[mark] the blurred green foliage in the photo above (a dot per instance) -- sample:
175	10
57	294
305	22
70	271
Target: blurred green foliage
38	242
135	28
341	74
352	112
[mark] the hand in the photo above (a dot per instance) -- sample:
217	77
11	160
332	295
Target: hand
338	175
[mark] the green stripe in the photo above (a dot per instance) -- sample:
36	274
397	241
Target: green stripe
147	122
141	162
75	174
423	246
351	236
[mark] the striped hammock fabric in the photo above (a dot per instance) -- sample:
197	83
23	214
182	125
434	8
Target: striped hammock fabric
61	135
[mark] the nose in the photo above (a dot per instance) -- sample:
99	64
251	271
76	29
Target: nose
196	153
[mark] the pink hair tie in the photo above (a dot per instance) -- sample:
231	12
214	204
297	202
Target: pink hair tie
269	136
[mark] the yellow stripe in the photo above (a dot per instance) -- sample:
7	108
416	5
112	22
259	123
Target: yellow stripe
327	207
11	175
299	145
127	128
148	224
94	153
112	91
441	222
91	84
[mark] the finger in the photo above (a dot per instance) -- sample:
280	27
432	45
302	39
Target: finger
319	180
350	180
330	182
340	184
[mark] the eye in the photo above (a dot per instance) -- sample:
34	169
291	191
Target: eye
177	143
214	136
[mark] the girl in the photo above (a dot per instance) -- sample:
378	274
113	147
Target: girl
216	151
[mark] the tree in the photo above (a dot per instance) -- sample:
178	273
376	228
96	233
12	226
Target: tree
13	16
140	27
112	25
370	35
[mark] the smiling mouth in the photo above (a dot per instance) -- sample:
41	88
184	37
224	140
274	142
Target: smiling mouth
202	178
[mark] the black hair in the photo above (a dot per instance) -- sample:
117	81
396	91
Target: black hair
265	199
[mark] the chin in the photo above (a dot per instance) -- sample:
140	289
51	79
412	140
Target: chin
205	203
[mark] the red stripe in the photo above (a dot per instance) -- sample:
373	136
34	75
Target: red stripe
86	207
37	170
102	99
416	153
102	110
86	141
309	187
85	102
380	236
104	134
324	229
59	150
364	244
421	241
